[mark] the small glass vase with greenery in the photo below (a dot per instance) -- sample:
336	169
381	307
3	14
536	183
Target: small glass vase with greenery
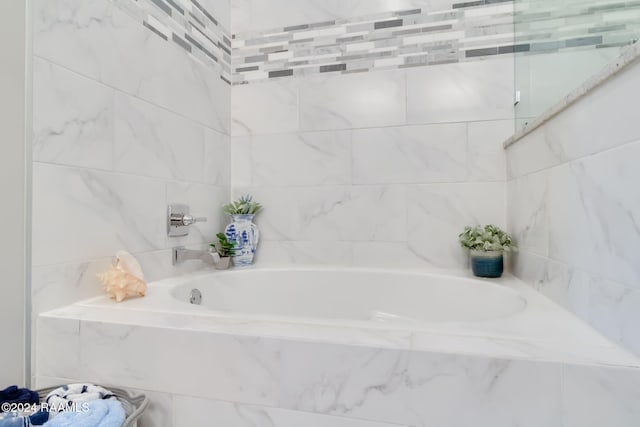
226	249
487	245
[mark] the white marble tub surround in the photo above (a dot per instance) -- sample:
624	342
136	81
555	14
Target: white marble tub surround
536	328
504	371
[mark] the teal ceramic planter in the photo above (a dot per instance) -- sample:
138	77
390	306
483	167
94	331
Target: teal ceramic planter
487	264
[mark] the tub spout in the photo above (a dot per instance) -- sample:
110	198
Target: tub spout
181	254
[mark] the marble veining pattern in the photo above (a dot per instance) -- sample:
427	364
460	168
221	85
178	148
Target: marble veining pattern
436	212
332	213
145	142
72	118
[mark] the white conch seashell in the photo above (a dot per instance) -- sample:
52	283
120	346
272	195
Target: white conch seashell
125	278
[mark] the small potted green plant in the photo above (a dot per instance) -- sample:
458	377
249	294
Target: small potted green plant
486	246
226	249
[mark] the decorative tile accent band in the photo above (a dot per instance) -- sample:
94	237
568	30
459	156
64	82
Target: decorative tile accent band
406	38
187	24
412	38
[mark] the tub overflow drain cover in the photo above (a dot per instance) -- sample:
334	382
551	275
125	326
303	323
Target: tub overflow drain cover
196	297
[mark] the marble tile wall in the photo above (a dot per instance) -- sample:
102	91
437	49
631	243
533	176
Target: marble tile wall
123	124
250	381
574	211
380	168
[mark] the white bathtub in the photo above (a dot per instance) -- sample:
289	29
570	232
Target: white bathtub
352	295
339	347
399	309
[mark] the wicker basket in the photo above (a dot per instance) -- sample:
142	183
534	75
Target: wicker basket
134	404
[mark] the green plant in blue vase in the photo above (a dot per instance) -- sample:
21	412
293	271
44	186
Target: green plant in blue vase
486	246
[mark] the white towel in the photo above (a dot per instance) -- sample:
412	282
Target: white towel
71	397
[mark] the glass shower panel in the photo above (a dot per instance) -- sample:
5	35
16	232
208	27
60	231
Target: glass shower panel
561	43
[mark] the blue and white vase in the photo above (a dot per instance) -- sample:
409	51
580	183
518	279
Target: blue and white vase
246	235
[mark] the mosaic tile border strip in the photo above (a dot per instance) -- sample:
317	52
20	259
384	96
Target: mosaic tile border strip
410	38
187	24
